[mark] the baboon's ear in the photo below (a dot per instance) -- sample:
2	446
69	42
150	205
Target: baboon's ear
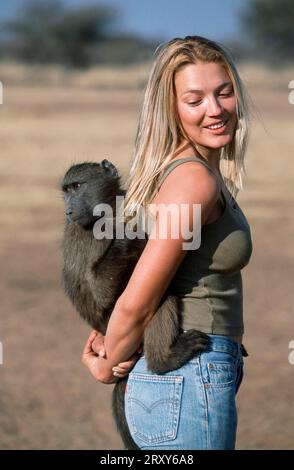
109	167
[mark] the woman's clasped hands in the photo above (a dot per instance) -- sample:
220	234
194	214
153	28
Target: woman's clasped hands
94	358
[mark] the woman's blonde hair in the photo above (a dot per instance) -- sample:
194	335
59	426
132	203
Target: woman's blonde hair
160	132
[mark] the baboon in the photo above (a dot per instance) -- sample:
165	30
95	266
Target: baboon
96	272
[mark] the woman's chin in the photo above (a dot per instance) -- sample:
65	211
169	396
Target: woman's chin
218	141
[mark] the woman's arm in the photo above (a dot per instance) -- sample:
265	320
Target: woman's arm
188	184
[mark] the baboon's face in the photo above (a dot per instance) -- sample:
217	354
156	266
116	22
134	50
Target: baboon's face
85	186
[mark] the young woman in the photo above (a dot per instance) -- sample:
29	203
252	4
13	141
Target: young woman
190	149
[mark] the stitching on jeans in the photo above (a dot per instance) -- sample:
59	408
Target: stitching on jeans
204	396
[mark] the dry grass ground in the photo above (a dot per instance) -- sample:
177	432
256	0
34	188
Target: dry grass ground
51	119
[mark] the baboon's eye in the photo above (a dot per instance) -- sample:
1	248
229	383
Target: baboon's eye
76	186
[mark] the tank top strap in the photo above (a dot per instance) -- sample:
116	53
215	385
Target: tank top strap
173	164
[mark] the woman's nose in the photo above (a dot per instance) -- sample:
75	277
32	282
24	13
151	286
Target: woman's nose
214	107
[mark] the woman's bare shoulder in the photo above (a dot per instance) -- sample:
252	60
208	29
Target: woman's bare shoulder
189	180
189	183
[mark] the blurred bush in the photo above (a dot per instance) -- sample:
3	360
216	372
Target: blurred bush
270	30
49	32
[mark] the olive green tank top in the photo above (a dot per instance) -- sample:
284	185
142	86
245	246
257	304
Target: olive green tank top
208	281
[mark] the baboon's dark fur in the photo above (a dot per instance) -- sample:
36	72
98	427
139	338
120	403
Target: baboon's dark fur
96	272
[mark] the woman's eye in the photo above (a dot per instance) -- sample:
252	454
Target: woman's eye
226	93
195	103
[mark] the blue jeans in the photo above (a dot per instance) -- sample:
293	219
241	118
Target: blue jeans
192	407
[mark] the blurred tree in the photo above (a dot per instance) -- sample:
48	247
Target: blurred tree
124	49
78	31
46	31
30	33
270	22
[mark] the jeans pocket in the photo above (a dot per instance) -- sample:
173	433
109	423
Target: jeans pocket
219	374
152	406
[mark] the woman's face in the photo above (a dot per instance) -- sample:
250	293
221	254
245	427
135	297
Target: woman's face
206	104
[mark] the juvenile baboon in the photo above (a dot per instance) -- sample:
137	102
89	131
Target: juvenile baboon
96	272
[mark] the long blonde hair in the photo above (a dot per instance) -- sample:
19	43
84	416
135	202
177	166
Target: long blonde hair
160	132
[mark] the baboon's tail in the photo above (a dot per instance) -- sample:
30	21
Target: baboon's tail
118	412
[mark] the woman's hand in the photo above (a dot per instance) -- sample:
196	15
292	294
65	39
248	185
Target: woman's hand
98	344
94	356
123	368
95	363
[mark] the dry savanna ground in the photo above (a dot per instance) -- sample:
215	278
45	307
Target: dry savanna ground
51	118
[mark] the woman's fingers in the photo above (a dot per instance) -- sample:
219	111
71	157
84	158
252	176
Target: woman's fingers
88	346
123	368
126	365
120	372
120	376
98	345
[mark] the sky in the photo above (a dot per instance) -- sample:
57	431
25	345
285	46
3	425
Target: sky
216	19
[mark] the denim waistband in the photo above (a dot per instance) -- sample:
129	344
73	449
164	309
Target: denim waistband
226	344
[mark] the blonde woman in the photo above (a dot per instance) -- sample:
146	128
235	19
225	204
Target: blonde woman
189	150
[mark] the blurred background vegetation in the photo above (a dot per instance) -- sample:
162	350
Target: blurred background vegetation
51	32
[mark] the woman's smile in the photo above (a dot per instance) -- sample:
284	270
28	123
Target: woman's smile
217	128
